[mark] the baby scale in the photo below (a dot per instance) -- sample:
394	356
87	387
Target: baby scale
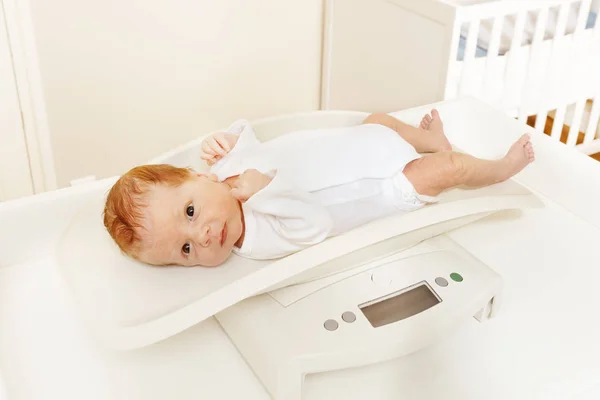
382	310
380	291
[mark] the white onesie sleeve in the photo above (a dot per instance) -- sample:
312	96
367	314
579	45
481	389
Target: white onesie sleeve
281	220
230	164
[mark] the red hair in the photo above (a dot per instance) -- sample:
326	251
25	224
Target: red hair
123	211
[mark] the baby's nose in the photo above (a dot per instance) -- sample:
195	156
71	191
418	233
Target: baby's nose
207	235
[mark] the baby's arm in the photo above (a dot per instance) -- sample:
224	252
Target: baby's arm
286	218
249	183
217	145
216	148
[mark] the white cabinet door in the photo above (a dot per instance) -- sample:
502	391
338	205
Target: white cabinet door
15	175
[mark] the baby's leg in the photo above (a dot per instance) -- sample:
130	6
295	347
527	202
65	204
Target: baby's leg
434	173
429	137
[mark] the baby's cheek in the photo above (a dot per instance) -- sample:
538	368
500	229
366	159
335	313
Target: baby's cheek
210	258
223	256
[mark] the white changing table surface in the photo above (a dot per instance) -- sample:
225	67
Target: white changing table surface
542	346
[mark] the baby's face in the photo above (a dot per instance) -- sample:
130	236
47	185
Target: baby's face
197	223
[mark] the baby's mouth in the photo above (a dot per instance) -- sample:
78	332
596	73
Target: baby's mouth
223	235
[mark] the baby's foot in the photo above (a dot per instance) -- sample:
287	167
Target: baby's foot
519	156
433	124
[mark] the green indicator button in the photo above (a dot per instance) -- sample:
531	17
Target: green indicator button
456	277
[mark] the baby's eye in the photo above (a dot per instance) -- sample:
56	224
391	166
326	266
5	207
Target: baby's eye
190	210
186	248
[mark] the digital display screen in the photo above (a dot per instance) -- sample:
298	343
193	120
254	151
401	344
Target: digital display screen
400	305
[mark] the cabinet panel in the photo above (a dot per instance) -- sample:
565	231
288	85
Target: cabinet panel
15	176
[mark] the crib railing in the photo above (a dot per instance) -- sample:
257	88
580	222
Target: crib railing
542	58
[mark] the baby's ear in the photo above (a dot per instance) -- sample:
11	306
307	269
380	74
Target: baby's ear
211	177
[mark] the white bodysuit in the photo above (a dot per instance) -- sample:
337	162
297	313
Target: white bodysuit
325	182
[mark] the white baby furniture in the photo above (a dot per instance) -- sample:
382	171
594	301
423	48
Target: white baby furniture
529	58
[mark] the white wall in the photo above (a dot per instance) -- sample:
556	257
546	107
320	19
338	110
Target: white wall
125	80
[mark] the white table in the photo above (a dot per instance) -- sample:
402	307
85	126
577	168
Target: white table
542	346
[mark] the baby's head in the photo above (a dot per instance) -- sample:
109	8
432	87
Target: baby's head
164	215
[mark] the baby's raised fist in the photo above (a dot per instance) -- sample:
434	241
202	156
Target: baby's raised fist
248	184
216	146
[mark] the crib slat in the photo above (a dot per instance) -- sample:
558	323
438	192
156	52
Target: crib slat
494	45
492	85
518	33
532	87
471	42
561	22
593	121
548	88
557	124
551	73
540	26
575	123
592	147
540	120
595	49
582	16
577	81
512	84
466	77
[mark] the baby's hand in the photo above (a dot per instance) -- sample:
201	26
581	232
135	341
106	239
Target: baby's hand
248	184
216	146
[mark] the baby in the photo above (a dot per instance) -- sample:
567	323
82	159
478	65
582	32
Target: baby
271	199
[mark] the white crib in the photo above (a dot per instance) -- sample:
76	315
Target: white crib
537	58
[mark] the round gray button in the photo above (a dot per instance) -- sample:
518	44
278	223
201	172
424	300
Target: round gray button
441	281
331	325
349	316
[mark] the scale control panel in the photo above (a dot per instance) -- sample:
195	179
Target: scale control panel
398	305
